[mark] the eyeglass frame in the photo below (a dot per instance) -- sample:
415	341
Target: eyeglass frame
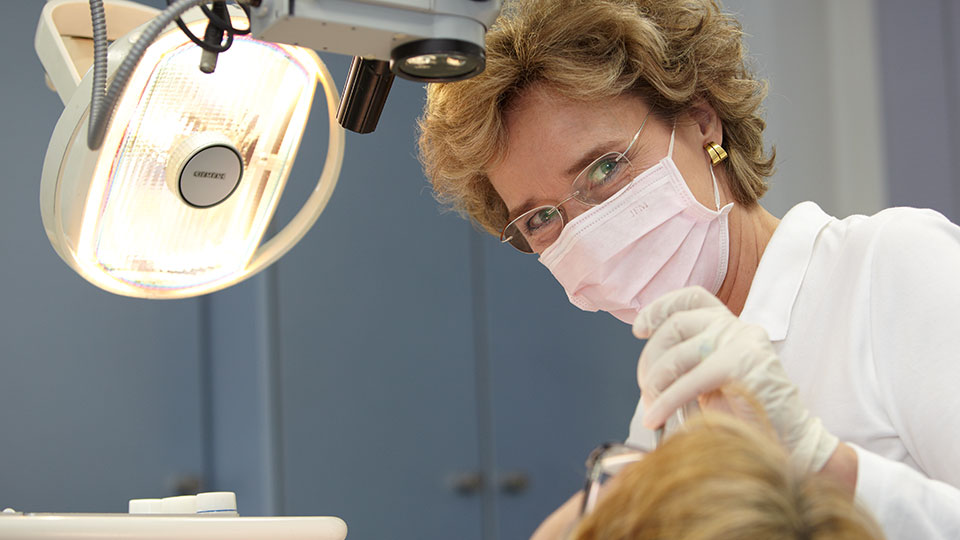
595	469
573	194
592	485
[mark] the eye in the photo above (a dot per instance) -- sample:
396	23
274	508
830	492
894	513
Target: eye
541	219
603	170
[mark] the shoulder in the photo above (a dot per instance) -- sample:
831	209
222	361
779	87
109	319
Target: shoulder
902	237
896	264
911	258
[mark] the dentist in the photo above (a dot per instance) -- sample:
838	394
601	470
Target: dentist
621	141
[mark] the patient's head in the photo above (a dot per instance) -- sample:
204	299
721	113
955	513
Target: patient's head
720	479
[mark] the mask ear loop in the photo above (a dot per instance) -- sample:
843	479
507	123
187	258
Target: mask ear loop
672	133
716	186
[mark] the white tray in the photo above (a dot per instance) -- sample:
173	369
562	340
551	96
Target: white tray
169	527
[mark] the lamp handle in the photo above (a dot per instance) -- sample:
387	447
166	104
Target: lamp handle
295	230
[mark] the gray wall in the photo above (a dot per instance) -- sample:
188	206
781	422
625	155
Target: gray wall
824	106
395	347
920	47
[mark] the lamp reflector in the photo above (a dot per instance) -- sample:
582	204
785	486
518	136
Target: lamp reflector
177	200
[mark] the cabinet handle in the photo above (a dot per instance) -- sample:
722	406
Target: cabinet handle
467	483
514	482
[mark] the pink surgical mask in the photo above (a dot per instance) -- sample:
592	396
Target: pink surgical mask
648	239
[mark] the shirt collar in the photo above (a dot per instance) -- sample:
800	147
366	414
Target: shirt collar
782	268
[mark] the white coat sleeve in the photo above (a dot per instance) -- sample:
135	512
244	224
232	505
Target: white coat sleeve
906	503
915	337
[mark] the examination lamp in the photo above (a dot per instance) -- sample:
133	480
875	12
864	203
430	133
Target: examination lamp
169	191
175	201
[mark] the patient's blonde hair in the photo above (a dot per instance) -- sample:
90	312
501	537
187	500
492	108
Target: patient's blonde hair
671	53
722	479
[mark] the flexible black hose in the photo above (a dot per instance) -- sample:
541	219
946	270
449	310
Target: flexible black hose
99	20
102	104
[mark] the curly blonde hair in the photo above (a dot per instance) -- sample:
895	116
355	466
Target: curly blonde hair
671	53
723	479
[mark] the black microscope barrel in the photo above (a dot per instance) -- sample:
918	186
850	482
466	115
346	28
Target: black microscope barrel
364	94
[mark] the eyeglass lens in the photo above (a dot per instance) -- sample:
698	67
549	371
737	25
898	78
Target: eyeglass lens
536	229
603	463
608	459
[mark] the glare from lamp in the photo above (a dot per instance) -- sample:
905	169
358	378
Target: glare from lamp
138	234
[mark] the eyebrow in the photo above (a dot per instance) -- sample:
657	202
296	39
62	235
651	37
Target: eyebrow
591	155
587	158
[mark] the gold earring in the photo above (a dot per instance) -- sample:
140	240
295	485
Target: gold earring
716	152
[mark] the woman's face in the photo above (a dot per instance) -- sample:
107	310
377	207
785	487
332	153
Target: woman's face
551	139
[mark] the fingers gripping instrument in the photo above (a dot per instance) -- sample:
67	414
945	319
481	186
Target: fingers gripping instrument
696	345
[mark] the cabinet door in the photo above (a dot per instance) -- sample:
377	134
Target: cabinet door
376	348
563	381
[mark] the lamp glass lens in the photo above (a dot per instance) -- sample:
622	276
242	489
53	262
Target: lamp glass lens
137	234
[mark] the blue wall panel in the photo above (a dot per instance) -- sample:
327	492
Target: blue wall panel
99	393
375	342
563	381
241	444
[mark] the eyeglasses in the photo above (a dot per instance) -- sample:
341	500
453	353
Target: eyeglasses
609	459
536	229
604	462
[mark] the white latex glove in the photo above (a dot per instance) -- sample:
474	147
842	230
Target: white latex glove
696	345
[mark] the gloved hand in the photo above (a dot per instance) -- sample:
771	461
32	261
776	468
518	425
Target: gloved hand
696	345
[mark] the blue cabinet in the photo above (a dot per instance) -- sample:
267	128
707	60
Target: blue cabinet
563	381
375	344
417	354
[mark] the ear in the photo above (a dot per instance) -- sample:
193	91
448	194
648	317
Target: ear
707	121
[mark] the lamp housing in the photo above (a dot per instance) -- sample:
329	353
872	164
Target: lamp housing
419	40
178	198
378	29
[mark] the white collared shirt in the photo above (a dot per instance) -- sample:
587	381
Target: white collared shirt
864	315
